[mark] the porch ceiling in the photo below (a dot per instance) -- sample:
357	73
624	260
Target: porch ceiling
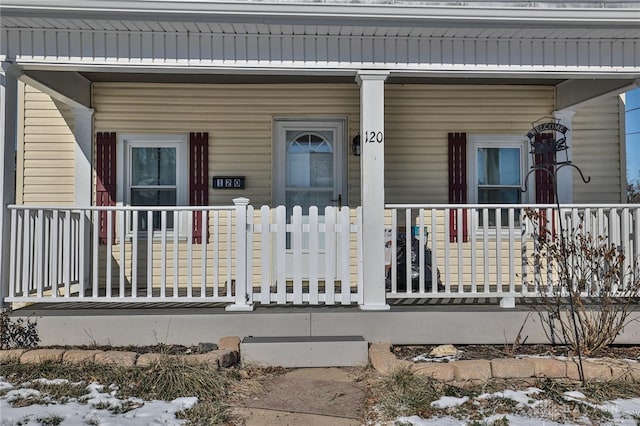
217	78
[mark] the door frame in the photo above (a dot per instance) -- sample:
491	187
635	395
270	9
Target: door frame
279	156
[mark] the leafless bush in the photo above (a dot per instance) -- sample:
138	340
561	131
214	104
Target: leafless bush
21	333
583	278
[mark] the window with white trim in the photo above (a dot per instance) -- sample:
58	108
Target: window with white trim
497	166
153	172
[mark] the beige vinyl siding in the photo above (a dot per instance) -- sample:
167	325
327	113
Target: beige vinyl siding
419	117
597	151
239	119
47	151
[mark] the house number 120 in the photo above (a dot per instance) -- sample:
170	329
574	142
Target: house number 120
371	137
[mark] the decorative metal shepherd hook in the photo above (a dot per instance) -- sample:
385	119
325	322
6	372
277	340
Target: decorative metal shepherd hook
546	146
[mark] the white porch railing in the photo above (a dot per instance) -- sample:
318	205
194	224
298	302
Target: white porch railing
265	256
474	254
143	254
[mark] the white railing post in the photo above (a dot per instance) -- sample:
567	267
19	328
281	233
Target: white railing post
242	296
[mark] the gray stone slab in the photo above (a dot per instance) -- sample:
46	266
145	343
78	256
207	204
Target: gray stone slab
307	351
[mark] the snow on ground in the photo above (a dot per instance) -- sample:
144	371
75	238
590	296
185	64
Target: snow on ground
622	410
100	407
97	407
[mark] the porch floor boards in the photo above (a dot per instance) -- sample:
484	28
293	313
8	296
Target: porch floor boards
393	303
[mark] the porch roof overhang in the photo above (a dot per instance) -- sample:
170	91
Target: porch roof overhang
569	44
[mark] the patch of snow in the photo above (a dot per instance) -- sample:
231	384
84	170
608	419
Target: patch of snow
449	402
74	413
54	382
428	358
521	397
4	385
12	395
574	396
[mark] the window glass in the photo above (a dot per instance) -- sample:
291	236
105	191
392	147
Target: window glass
499	179
498	166
153	166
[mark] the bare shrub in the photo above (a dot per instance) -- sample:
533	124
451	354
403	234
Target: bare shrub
581	277
21	333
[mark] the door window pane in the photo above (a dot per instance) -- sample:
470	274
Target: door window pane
153	174
309	160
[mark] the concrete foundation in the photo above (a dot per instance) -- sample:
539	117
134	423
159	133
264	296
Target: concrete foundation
429	324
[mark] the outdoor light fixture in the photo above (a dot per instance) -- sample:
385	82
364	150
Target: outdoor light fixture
355	145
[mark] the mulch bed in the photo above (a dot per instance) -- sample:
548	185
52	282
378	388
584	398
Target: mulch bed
468	352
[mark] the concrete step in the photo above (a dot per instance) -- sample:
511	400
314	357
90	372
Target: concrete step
305	351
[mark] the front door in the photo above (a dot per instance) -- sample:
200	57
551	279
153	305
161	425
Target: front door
310	168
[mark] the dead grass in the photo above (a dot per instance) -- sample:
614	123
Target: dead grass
166	380
403	393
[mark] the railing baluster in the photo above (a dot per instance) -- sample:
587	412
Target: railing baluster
434	251
190	216
176	260
163	254
498	213
134	253
95	218
296	248
203	252
460	240
149	253
485	237
447	243
66	253
83	253
408	251
122	232
39	261
313	255
55	241
473	214
359	250
512	251
330	260
265	255
14	258
345	259
394	251
421	251
281	249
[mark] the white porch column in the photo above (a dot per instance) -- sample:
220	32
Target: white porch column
372	186
565	175
8	135
83	132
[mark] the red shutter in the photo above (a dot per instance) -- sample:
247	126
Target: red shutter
457	183
106	180
198	178
545	191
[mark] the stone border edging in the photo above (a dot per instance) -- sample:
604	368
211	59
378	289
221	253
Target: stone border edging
384	361
227	354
